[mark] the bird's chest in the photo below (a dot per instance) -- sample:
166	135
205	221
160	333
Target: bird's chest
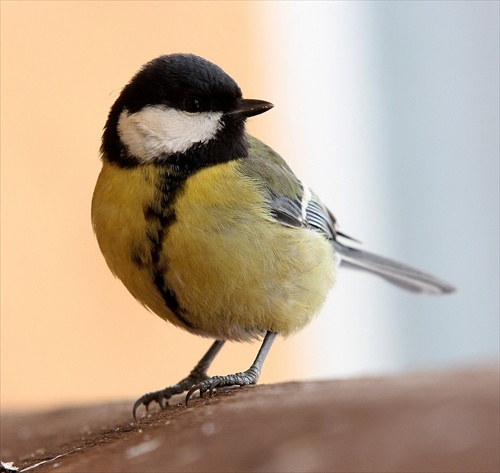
209	254
159	233
230	262
220	222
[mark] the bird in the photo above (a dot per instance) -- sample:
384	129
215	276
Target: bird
208	227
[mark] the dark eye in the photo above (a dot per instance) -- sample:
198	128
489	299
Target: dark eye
192	104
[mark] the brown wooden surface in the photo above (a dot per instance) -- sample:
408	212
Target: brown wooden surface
438	421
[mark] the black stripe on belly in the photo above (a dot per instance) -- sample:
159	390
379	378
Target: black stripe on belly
159	216
171	299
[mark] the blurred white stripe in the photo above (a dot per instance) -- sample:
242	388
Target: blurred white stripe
364	118
325	86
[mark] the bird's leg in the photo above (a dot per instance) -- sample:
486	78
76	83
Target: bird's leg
197	375
250	376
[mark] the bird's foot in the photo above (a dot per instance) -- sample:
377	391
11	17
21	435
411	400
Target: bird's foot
245	378
162	396
197	375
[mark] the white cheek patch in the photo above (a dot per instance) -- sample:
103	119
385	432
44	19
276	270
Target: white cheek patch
159	130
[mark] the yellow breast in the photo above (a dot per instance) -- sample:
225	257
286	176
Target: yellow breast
235	272
118	216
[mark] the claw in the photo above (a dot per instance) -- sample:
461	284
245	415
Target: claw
136	406
203	387
191	392
159	397
162	404
213	386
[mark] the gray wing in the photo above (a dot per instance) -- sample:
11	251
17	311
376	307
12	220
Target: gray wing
313	214
295	205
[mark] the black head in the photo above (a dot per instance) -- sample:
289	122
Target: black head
180	109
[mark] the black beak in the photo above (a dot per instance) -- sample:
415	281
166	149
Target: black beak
250	107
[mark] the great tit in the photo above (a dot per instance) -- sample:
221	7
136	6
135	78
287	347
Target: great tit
208	227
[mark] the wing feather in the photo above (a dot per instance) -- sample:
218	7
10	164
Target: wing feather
294	205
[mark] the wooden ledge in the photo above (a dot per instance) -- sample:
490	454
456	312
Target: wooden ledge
436	421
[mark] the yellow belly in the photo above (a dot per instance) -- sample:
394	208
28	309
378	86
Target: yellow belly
236	272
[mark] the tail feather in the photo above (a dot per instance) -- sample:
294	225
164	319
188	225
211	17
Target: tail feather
396	273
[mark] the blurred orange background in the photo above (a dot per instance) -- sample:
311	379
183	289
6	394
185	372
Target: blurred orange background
71	332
